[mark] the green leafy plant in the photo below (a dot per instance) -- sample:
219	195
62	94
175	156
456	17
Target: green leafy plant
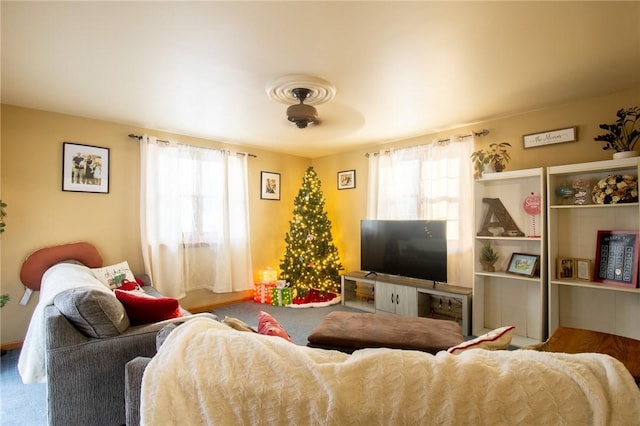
623	134
497	156
3	300
488	254
488	257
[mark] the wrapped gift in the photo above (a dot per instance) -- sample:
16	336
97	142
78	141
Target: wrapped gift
282	295
262	292
268	275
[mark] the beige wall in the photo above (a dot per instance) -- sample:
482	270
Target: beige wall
347	207
40	214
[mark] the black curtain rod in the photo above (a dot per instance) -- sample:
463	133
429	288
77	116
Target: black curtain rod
483	132
131	135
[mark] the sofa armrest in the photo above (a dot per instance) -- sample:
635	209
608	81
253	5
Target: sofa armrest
85	376
134	371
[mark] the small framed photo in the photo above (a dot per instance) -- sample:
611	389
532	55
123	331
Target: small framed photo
85	168
584	269
617	258
566	268
524	264
347	179
269	186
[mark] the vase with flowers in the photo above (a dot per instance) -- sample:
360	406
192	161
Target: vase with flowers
496	157
623	135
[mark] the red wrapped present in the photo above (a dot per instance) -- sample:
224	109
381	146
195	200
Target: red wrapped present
262	292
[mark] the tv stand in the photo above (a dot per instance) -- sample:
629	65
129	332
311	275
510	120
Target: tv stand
407	296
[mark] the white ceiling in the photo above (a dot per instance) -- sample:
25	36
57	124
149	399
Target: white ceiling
401	69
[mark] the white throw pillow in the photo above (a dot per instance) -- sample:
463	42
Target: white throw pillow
112	276
497	339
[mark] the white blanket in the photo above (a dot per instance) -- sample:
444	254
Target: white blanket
207	373
58	278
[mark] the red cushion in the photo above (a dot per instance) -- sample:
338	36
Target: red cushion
144	309
270	326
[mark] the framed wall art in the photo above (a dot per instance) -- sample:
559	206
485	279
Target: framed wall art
347	179
617	258
85	168
524	264
269	186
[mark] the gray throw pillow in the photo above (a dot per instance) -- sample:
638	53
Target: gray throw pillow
95	313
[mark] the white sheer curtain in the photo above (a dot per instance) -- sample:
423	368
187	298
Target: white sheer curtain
194	218
429	182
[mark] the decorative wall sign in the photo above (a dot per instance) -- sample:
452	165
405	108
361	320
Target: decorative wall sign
85	168
269	186
347	179
617	258
549	137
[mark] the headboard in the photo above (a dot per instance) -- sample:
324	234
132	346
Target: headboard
36	263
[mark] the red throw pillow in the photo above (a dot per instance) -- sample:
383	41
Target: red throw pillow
270	326
144	309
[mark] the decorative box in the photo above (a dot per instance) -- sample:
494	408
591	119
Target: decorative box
281	296
262	292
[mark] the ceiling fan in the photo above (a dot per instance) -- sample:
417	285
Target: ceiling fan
300	114
295	90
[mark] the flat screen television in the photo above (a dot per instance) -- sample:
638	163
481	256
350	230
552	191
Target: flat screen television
408	248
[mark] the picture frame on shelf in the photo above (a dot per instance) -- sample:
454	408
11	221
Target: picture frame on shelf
584	269
524	264
566	268
269	186
85	168
347	179
617	258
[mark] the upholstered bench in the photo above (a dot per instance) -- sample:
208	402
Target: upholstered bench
349	331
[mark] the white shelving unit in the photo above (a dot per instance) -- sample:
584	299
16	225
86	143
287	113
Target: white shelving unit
572	233
501	298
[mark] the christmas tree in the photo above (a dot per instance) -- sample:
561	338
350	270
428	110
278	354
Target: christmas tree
311	260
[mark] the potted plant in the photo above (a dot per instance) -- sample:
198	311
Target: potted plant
622	135
488	258
496	156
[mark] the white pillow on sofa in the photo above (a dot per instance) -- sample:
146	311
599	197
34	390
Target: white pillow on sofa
112	275
497	339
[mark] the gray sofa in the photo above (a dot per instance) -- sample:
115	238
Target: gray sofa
86	375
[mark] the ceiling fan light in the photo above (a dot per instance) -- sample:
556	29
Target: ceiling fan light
302	115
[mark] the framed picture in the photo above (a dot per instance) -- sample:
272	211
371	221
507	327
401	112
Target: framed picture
566	268
617	258
269	186
584	269
524	264
85	168
550	137
347	179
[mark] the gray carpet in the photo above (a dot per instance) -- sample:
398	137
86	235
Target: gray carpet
25	405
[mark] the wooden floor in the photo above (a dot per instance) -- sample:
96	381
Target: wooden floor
204	300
